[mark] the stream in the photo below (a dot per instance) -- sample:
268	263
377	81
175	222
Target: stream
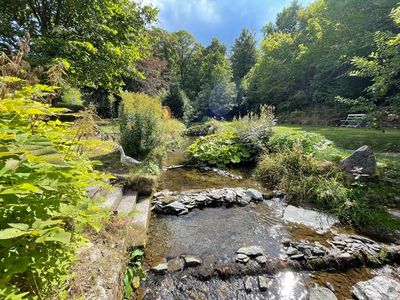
214	234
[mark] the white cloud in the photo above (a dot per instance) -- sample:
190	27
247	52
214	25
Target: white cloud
186	10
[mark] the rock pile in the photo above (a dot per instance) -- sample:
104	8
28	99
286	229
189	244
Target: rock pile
353	244
244	254
304	250
177	264
180	203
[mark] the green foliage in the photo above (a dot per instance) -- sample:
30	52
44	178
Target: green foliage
218	149
311	143
71	96
254	130
44	205
141	124
147	131
307	54
100	40
200	129
222	98
244	54
179	104
134	273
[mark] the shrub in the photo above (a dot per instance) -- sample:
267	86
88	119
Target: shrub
179	103
44	204
71	96
218	149
201	129
311	143
141	124
254	130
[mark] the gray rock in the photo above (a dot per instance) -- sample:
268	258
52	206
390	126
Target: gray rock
363	160
242	258
160	268
176	206
379	287
248	285
261	259
297	256
292	251
263	283
321	293
230	196
251	251
255	195
175	264
192	260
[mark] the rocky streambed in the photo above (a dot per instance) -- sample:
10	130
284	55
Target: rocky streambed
242	243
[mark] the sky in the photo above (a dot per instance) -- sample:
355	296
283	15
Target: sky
223	19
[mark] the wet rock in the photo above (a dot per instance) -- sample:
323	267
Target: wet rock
263	283
286	242
160	268
292	251
230	196
242	258
321	293
175	265
310	218
176	206
251	251
379	287
192	260
361	164
261	259
254	194
297	256
248	285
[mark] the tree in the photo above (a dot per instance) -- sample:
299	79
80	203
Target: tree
382	67
287	21
178	102
222	98
244	55
98	41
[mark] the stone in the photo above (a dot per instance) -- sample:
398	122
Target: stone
192	260
175	265
251	251
261	259
248	285
230	196
176	206
242	258
321	293
310	218
379	287
292	251
361	161
286	242
255	195
263	283
160	268
297	256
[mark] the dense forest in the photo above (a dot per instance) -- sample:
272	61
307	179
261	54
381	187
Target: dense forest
320	61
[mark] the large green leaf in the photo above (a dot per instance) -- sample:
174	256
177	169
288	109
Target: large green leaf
10	233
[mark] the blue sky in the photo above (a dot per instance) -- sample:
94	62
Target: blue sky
223	19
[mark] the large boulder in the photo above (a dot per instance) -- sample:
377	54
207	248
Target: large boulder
379	287
361	164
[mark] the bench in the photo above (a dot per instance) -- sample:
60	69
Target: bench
354	121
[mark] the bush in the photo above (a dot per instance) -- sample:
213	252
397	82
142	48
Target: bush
71	96
201	129
311	143
44	205
179	103
141	124
218	149
254	130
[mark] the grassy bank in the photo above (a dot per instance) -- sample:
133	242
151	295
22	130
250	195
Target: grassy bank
353	138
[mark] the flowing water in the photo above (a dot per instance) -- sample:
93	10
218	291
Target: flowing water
215	234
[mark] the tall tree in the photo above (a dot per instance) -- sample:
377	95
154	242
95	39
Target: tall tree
244	55
98	41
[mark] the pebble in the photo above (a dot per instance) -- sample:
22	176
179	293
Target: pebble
192	260
292	251
251	251
175	265
248	286
263	283
261	259
160	268
242	258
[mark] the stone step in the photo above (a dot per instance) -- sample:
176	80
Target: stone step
141	221
127	203
113	198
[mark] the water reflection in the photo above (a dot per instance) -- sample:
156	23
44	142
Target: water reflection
287	286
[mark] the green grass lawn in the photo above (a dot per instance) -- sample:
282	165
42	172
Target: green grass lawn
353	138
